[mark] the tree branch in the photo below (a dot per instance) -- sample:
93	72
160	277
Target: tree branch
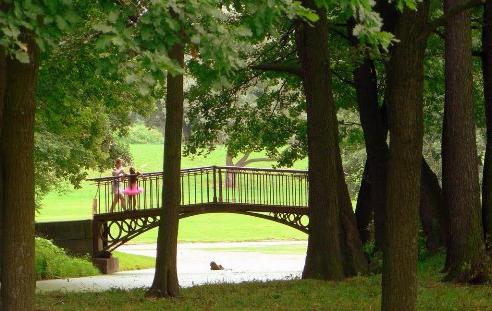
243	160
285	68
440	21
256	160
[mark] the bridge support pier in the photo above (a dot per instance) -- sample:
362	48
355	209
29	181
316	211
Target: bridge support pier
102	259
107	265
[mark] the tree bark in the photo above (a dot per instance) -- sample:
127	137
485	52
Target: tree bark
404	97
18	274
3	79
466	261
487	93
324	255
165	282
364	209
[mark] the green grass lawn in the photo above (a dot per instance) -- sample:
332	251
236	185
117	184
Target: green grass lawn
359	293
134	262
76	204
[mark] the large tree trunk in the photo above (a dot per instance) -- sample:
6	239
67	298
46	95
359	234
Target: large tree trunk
165	282
324	255
487	93
404	97
3	78
18	275
466	260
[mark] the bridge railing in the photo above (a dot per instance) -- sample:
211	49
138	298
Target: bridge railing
208	185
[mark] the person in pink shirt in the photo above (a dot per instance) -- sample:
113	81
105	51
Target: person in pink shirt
132	190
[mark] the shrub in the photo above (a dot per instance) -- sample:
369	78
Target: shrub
140	134
52	262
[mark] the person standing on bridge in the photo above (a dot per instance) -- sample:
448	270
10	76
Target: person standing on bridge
117	191
132	190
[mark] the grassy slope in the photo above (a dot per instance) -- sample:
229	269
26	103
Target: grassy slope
76	204
360	293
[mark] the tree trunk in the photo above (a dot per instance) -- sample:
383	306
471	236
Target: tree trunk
324	254
165	282
404	97
433	214
354	260
364	208
375	130
466	249
487	93
18	274
3	78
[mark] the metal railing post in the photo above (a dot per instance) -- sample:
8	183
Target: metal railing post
214	173
220	185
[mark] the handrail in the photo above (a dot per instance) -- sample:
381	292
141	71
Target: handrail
200	169
205	185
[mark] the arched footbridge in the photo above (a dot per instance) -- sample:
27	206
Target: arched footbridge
279	195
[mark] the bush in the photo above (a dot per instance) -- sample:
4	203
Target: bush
375	256
53	263
140	134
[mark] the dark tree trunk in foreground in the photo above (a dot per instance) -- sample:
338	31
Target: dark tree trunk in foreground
18	275
3	78
487	93
334	247
324	255
165	282
404	97
466	260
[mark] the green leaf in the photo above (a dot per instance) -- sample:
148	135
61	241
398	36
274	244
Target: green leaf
104	28
61	23
22	56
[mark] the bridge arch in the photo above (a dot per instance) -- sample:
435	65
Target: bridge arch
118	232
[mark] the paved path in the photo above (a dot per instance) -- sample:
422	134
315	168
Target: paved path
194	269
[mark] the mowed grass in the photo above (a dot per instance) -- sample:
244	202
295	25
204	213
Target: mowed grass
359	293
77	204
134	262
